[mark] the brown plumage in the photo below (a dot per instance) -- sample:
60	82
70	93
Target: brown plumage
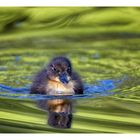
57	78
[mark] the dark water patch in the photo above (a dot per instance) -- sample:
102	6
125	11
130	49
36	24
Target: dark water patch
103	36
101	88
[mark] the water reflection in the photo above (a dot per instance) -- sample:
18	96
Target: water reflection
60	106
59	112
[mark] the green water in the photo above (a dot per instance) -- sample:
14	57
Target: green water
102	43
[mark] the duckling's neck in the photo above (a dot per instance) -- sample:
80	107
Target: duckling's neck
57	88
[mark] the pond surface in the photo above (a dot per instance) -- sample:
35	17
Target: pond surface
103	45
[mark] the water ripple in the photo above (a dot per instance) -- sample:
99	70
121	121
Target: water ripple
101	88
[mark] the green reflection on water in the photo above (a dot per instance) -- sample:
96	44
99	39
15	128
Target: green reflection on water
102	43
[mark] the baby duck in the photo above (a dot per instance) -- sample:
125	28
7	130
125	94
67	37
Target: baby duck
58	78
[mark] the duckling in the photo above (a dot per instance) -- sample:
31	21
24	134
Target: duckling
58	78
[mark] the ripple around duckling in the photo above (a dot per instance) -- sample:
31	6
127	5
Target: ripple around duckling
101	88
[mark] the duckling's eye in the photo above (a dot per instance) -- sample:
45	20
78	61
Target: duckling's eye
54	69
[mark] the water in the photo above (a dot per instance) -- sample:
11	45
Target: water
104	47
104	88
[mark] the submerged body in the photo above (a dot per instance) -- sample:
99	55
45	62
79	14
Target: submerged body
57	79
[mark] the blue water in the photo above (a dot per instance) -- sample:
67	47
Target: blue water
101	88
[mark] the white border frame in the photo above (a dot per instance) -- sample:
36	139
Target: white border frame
70	136
69	2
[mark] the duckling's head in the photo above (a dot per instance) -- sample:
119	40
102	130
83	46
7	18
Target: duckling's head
59	70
